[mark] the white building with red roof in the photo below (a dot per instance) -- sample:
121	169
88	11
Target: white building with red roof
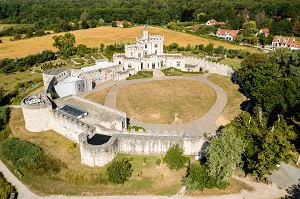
264	31
227	34
285	42
213	22
120	23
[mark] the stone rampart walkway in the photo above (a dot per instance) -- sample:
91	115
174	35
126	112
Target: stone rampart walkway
205	124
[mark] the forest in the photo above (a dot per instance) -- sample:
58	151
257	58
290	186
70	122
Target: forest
51	13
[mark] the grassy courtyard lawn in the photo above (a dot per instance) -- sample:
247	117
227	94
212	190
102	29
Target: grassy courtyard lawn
177	72
79	179
234	63
93	37
235	98
99	96
158	101
141	74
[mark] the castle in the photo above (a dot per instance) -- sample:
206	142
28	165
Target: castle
101	131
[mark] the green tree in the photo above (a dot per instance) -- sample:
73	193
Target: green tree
81	50
21	153
250	28
119	171
2	94
200	178
101	22
114	24
174	157
84	16
125	24
5	187
64	43
256	70
265	146
225	154
209	48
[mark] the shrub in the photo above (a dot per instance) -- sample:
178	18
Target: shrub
199	179
20	152
119	171
46	165
174	157
5	187
158	161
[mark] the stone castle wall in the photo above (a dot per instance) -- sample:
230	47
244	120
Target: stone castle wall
70	127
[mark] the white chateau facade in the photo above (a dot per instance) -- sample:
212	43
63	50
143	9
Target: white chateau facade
147	54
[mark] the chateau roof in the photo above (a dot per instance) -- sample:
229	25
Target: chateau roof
99	65
266	31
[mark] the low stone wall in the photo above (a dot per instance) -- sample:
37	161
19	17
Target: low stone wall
211	67
136	143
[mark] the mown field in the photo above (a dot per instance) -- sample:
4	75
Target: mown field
158	101
106	35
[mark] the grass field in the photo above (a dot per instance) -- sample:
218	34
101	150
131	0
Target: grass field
158	101
99	96
234	63
106	35
235	98
8	82
145	180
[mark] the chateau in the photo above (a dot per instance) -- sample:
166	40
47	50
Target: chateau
101	131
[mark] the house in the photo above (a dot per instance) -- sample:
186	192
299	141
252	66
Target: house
195	28
120	23
264	31
213	22
227	34
285	42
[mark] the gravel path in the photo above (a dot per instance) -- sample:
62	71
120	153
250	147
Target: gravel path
203	124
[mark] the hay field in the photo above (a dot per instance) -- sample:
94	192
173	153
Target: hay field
158	101
106	35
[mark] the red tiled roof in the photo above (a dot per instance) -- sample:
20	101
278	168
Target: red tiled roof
266	31
121	22
213	22
196	27
285	40
221	23
233	33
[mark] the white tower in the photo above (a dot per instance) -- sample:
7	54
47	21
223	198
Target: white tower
145	33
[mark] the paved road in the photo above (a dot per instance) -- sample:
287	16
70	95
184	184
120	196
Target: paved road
203	124
286	176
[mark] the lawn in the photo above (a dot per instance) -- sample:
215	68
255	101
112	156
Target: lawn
158	101
141	74
235	98
80	179
98	96
234	63
107	35
8	82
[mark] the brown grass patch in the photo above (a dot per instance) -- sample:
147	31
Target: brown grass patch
107	35
236	186
98	96
158	101
235	98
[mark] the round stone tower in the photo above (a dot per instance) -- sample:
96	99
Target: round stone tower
37	112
